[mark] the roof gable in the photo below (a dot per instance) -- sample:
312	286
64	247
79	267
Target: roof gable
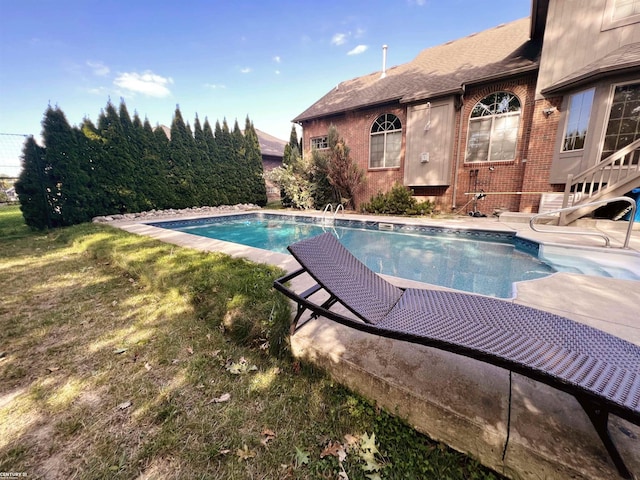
500	51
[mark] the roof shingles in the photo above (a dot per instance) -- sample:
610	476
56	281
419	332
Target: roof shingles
437	71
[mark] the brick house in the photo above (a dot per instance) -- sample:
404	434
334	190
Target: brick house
509	112
272	150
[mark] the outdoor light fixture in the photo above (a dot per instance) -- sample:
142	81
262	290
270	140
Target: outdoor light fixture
549	111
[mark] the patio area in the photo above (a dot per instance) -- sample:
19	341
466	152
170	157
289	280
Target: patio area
517	426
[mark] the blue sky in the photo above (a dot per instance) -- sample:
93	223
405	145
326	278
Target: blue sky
217	59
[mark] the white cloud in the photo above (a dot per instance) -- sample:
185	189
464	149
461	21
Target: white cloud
358	50
245	70
215	86
101	91
277	72
99	68
277	59
339	39
147	83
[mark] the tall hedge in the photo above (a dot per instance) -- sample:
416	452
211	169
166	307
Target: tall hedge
122	165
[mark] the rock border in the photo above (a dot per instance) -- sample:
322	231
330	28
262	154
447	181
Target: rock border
151	214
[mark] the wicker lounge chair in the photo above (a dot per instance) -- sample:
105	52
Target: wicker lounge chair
600	370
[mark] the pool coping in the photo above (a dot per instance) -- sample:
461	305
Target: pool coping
623	294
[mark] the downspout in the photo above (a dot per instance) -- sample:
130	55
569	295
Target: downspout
457	160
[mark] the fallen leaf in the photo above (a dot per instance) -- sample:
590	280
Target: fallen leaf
350	439
268	435
302	458
333	449
119	351
244	453
225	397
368	443
190	350
209	336
175	361
225	451
147	365
241	367
124	405
53	369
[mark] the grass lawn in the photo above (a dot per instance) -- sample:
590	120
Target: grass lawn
124	357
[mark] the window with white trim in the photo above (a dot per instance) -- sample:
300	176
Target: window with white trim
575	132
493	128
319	143
623	126
385	145
619	13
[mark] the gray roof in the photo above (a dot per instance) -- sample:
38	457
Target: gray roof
623	59
270	145
495	53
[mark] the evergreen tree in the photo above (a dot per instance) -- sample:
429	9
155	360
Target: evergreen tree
181	174
31	187
164	197
240	168
216	190
200	161
146	164
292	152
70	196
255	180
118	168
93	152
227	162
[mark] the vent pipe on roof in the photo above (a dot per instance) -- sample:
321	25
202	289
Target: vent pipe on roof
384	61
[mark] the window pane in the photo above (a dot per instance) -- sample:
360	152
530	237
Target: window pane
503	137
478	144
386	142
578	120
394	147
377	151
625	8
624	120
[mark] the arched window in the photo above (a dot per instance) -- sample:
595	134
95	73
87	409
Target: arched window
386	142
493	128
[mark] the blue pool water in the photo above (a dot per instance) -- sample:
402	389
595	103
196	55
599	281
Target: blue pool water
473	261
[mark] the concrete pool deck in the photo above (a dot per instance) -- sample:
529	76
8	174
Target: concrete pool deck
519	427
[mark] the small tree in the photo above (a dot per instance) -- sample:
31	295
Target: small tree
295	180
343	174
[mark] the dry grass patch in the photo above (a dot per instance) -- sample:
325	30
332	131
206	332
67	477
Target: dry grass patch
122	357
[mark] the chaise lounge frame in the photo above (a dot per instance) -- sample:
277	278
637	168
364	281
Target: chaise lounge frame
600	370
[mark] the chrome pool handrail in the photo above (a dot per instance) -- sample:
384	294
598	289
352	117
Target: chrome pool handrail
606	239
328	207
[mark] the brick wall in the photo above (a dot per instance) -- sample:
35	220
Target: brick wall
529	171
497	179
355	128
541	149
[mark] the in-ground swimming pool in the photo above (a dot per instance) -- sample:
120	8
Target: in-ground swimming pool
475	261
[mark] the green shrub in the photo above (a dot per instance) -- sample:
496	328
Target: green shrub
397	201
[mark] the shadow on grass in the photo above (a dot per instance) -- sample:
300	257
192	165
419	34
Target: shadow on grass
123	357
